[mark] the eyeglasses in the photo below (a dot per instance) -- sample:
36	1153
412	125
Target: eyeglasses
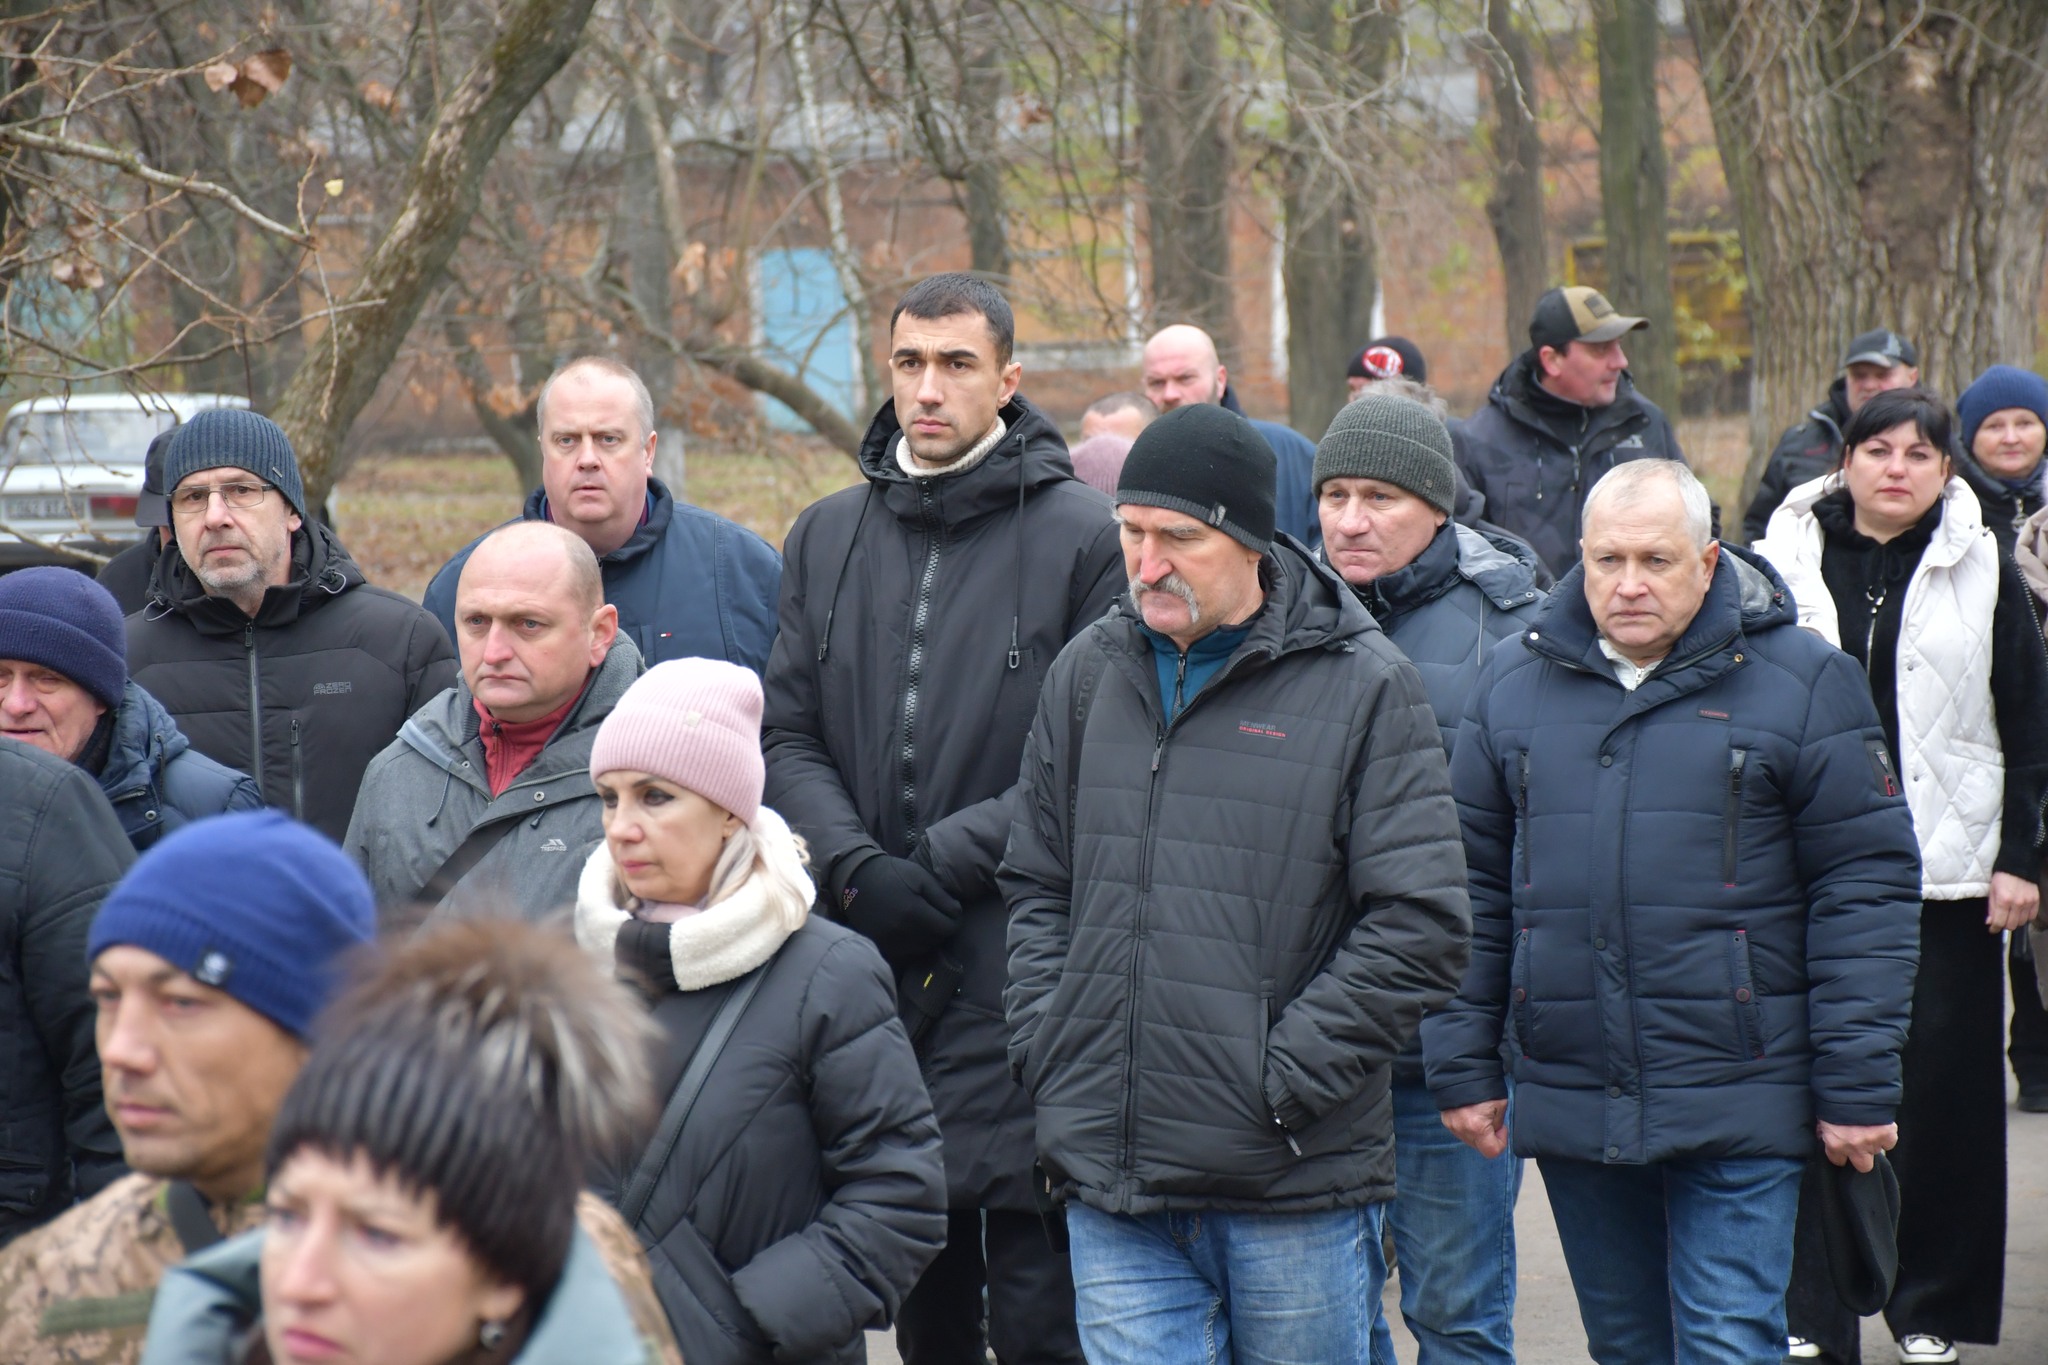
193	500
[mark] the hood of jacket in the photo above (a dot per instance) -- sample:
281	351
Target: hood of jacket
722	941
1503	569
1518	394
205	1306
448	726
661	509
2031	551
1745	597
1031	455
146	739
321	570
1833	411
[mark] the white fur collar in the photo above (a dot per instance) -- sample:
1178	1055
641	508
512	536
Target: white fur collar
724	941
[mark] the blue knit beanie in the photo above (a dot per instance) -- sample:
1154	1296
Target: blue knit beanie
1999	388
239	438
69	624
254	904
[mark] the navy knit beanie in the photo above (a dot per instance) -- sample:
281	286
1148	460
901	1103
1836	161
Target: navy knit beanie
69	624
238	438
1999	388
1209	463
253	904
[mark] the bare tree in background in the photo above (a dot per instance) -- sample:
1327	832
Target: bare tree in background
1186	143
1634	189
1514	201
1888	166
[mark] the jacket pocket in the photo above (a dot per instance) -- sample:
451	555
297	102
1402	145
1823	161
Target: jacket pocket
1731	816
1749	1017
1518	995
1522	819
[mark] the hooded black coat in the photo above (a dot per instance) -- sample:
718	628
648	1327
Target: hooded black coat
302	695
917	620
1804	453
1235	921
156	781
61	851
1534	457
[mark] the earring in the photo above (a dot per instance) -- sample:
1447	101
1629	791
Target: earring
490	1334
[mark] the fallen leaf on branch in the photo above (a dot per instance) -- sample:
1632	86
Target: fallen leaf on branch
221	75
79	275
334	189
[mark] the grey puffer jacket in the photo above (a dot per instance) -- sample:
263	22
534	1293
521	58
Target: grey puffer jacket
205	1308
427	791
1216	957
61	851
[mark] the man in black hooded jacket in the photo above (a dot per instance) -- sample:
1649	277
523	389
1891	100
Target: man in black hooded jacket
918	616
261	637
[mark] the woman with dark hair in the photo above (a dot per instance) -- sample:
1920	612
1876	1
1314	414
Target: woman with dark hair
1888	558
794	1191
423	1176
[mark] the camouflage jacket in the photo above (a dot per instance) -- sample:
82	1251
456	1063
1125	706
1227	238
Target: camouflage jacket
78	1291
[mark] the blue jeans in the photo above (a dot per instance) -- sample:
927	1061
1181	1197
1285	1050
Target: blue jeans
1216	1288
1454	1230
1683	1261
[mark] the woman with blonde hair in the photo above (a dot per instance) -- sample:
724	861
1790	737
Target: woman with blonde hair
794	1190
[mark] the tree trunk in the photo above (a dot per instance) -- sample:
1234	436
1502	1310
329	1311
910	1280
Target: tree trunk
646	242
342	367
1185	150
1634	190
1514	204
1335	58
1888	167
981	96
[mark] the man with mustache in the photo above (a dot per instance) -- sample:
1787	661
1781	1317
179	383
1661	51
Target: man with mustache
1235	884
483	804
261	636
919	614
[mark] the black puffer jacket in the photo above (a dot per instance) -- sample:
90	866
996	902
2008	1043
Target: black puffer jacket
301	696
806	1193
61	851
127	574
900	731
1248	918
157	781
1534	457
1803	454
2005	509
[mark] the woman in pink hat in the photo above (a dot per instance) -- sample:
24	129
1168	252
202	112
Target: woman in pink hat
794	1189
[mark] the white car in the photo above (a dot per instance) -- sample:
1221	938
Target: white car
71	469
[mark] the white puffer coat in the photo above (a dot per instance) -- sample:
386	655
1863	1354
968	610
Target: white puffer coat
1953	767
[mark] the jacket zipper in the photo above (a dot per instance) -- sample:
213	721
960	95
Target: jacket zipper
255	711
1874	595
1522	817
913	670
298	776
1731	816
1180	682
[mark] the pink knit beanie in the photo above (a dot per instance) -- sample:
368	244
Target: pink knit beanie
693	722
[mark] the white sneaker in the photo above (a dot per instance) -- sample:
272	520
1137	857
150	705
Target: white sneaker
1799	1348
1919	1348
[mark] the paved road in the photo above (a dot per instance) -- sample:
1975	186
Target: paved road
1547	1318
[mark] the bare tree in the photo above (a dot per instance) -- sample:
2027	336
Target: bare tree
1634	188
1514	201
1185	140
1888	166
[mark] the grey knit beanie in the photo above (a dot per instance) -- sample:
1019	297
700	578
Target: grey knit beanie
1393	439
235	438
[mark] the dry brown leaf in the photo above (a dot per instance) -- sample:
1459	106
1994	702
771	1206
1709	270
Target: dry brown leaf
80	274
378	95
221	75
268	68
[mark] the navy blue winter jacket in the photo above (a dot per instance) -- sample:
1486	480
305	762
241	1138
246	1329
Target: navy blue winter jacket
689	584
156	781
1696	905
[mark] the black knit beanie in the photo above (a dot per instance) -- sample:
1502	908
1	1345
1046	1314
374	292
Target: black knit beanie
1393	439
1209	463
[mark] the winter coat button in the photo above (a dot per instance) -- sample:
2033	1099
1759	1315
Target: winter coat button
540	796
1599	945
1614	1153
1520	994
1613	1093
1607	760
1742	994
149	815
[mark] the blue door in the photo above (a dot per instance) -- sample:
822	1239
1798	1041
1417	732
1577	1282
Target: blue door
804	328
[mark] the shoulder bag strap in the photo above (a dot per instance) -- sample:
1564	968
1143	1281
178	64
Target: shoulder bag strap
640	1188
189	1218
467	855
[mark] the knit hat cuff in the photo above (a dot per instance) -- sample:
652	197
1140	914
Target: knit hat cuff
61	647
1215	515
286	993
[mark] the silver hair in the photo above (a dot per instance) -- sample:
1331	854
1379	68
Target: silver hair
1629	482
1412	389
643	401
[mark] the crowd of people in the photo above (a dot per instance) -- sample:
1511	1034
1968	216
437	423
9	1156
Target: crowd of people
1069	904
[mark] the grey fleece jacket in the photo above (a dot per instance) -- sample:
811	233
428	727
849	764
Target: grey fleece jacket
426	791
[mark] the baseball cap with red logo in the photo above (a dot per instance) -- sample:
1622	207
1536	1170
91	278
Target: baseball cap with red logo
1389	358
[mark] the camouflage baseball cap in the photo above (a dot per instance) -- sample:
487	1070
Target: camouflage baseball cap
1577	313
1881	347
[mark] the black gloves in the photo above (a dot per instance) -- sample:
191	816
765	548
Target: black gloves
900	906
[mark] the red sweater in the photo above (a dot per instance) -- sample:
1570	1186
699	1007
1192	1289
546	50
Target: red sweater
510	746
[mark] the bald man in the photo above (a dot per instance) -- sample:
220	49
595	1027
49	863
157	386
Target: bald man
483	804
1182	367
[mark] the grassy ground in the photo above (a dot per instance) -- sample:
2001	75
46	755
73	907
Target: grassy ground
403	516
